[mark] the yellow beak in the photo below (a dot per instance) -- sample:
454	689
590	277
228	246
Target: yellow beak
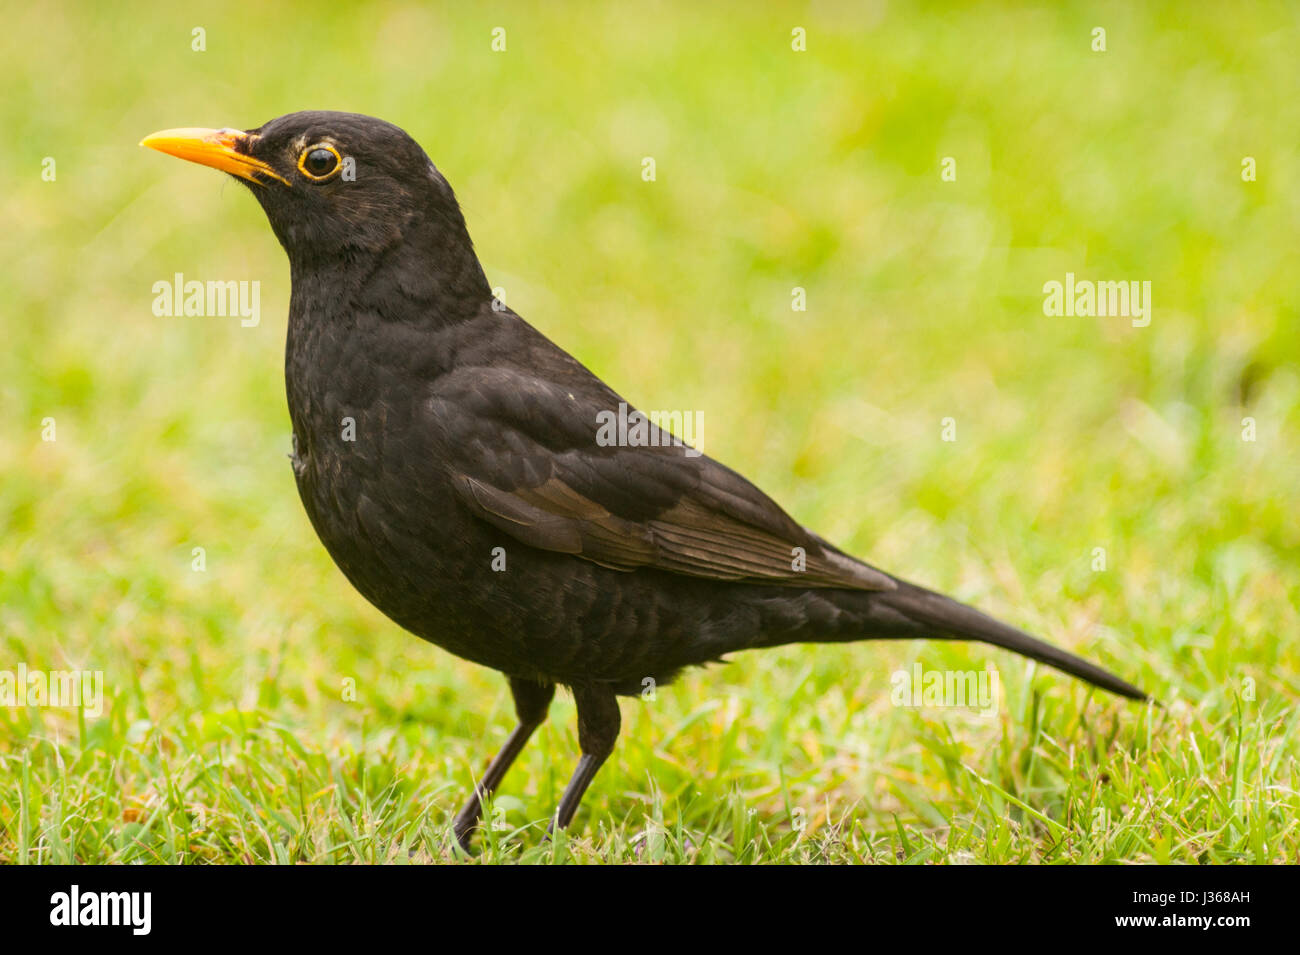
218	148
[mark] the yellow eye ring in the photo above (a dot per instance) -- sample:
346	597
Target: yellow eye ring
321	173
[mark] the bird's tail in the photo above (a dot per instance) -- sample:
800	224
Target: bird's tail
926	613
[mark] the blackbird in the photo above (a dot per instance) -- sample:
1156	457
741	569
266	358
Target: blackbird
459	469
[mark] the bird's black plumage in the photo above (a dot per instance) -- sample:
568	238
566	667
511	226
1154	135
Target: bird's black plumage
473	438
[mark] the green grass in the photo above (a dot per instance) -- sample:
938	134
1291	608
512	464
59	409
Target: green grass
226	736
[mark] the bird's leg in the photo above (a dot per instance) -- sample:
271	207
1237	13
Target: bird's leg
532	700
598	726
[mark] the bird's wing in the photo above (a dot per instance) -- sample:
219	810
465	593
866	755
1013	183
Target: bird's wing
523	454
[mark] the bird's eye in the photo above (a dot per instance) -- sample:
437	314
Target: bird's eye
319	162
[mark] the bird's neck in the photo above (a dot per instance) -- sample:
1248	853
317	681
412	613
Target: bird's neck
427	274
361	321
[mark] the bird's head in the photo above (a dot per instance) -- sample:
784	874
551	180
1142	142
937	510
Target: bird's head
333	185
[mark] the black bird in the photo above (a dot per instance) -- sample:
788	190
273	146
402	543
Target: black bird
476	503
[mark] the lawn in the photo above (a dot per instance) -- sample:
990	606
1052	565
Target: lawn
1123	487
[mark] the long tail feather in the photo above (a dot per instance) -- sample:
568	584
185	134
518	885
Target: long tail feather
946	617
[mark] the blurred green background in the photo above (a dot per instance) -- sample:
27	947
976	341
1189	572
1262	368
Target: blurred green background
225	735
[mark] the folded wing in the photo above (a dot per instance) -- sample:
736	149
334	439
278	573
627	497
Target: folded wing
525	458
